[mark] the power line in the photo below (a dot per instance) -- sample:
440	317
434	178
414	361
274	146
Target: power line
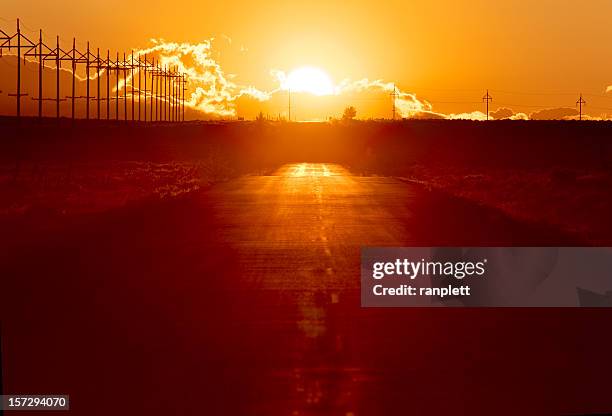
607	97
580	102
38	51
487	98
524	105
531	93
394	96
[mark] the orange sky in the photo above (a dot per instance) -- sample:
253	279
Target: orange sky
530	54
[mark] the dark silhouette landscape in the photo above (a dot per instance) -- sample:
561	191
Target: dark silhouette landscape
214	267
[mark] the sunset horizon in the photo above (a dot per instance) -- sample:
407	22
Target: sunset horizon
324	208
236	72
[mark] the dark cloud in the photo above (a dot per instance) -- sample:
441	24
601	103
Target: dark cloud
501	113
560	113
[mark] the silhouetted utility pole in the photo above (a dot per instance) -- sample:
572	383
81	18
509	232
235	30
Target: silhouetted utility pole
158	83
98	81
170	93
41	52
162	103
153	109
18	70
117	88
153	90
165	86
132	83
170	90
139	86
394	94
108	96
87	81
164	94
580	103
18	94
168	80
73	74
184	88
289	91
152	100
36	52
40	74
179	87
176	95
123	64
74	59
145	88
162	109
58	66
487	98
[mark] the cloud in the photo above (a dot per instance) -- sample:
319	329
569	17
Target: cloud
519	116
561	113
505	113
501	113
210	89
474	115
406	103
588	117
429	115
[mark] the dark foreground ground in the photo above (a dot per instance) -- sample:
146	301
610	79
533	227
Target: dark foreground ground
242	297
546	172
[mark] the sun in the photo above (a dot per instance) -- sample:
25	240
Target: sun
309	79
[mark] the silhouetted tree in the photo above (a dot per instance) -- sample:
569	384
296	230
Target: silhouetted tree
349	113
260	117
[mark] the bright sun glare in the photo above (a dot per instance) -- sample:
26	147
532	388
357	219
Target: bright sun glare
309	79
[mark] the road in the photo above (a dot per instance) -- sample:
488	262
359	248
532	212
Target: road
244	299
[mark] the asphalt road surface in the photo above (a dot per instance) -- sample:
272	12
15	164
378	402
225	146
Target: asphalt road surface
244	299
